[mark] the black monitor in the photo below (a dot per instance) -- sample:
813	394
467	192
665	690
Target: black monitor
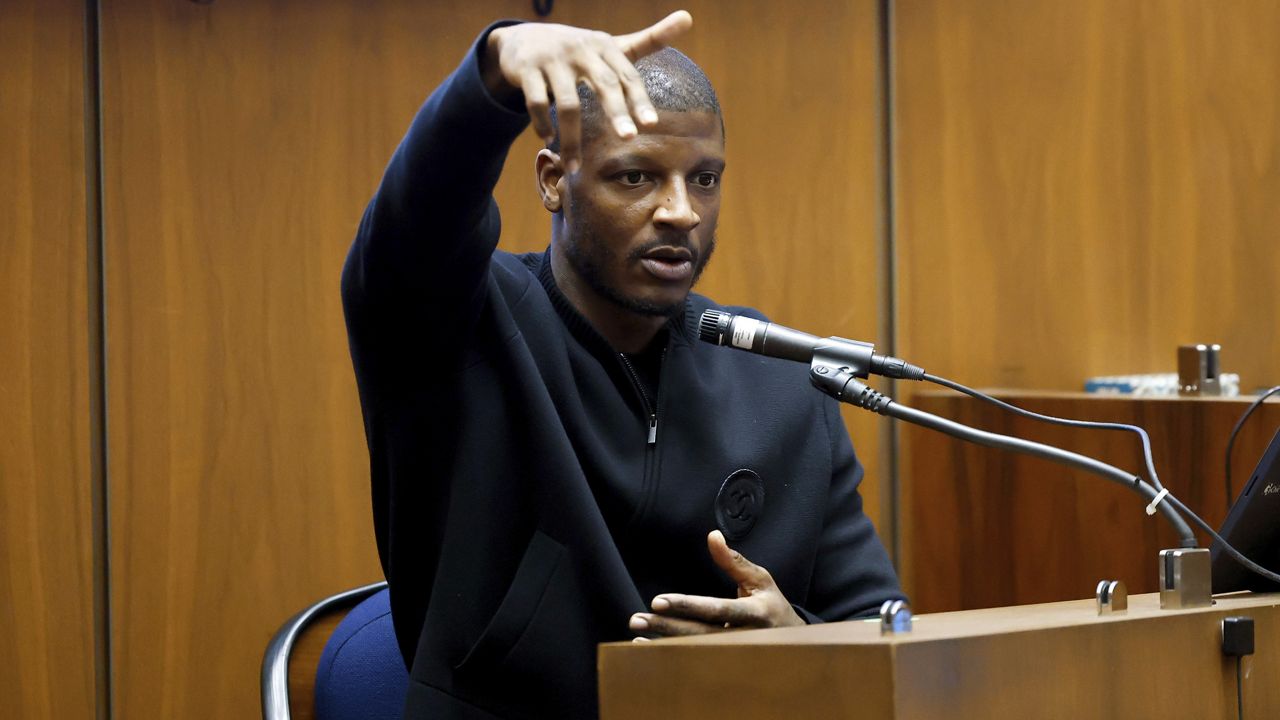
1253	528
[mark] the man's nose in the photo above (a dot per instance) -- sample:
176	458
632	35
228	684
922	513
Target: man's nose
676	211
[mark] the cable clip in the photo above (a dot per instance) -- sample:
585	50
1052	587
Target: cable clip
1151	509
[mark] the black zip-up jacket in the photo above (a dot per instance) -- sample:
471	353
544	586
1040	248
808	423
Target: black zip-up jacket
522	512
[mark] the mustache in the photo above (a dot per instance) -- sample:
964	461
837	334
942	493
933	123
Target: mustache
675	241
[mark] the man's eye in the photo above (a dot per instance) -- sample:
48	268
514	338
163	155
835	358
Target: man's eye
707	179
634	177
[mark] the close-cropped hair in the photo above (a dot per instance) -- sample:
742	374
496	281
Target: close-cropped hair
674	83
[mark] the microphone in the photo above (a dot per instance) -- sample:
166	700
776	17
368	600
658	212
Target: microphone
766	338
836	363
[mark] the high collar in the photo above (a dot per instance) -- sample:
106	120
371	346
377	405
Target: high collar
678	325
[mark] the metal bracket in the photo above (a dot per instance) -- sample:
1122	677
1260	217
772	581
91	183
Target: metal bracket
895	617
1185	579
1113	597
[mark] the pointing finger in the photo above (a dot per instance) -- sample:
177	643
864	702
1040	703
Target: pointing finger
568	114
535	97
742	571
655	37
669	627
608	87
637	95
742	612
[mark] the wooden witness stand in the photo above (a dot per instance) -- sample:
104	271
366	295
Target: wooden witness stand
988	532
1053	660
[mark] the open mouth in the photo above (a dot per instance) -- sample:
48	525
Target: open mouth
672	264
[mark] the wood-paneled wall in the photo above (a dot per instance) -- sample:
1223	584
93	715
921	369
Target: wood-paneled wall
1082	186
47	598
1077	188
241	141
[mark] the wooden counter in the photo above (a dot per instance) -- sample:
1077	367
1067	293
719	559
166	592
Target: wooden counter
1055	660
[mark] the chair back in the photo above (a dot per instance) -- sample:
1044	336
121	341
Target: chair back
361	675
290	665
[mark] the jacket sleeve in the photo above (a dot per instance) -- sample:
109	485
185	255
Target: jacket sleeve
852	575
423	246
415	278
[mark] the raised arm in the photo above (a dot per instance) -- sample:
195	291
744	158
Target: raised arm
414	283
427	235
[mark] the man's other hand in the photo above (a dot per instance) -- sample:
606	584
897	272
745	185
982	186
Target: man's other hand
546	62
759	604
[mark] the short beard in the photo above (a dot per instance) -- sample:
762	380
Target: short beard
591	263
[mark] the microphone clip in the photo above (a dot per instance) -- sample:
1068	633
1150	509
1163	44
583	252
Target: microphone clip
835	370
853	356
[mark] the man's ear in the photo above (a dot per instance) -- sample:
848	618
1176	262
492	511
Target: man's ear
550	171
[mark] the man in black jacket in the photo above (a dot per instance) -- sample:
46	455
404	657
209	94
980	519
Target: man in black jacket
556	460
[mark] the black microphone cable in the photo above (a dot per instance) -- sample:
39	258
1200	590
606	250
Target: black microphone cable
715	326
1239	690
730	329
1146	446
1146	440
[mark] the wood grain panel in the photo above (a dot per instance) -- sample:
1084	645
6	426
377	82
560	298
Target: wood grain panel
1082	186
1059	660
242	140
47	650
988	528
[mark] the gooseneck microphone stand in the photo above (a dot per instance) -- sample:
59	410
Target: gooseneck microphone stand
842	384
1184	572
835	364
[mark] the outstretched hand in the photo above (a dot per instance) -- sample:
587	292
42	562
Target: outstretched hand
760	604
546	62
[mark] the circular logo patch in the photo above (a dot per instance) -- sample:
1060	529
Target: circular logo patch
739	503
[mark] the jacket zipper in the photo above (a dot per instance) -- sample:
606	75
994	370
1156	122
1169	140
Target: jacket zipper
650	409
650	479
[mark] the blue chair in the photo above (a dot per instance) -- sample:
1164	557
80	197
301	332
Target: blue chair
360	673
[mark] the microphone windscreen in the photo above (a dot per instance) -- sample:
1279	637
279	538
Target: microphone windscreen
713	327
